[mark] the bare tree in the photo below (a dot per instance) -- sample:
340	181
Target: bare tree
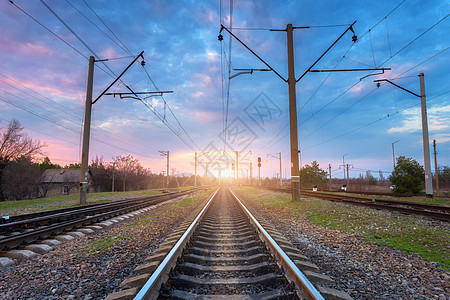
15	145
126	166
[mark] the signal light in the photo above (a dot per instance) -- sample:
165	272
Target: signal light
259	159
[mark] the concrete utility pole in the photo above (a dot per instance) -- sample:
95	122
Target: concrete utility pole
329	170
166	154
295	169
436	170
425	137
393	152
84	173
84	178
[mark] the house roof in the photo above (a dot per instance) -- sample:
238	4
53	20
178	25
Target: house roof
62	175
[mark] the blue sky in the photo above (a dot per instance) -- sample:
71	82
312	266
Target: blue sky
43	79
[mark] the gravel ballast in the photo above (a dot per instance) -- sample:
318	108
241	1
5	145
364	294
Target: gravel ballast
93	266
362	269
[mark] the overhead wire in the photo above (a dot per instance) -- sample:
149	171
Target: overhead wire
348	89
125	48
112	74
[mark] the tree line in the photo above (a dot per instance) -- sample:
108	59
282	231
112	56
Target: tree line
21	175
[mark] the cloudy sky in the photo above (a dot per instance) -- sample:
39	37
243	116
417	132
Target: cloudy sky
45	46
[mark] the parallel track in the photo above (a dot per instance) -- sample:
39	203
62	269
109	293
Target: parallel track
439	212
25	229
224	253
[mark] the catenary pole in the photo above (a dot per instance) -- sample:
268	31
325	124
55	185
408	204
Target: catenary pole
295	171
84	174
426	140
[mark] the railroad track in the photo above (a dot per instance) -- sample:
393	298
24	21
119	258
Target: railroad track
24	229
439	212
225	252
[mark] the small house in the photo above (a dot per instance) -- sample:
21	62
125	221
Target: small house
55	182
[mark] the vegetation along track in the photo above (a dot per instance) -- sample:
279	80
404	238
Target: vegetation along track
439	212
24	229
227	253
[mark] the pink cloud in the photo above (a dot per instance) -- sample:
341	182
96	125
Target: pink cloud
47	90
36	50
109	53
205	79
206	117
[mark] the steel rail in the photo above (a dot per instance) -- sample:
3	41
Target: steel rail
439	212
292	272
151	288
33	215
49	217
16	240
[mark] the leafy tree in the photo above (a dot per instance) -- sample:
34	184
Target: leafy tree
73	166
20	179
408	176
312	175
444	177
47	164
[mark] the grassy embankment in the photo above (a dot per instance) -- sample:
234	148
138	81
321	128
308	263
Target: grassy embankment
9	208
413	234
105	243
418	199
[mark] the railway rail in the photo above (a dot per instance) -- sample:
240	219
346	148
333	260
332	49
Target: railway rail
226	252
25	229
439	212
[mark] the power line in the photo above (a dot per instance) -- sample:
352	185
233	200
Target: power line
87	18
125	48
348	89
375	121
78	37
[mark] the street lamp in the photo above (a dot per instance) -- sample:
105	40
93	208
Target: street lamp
393	153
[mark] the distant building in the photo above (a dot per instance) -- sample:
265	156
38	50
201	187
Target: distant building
55	182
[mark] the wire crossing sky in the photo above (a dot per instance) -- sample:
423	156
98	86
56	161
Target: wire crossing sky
45	47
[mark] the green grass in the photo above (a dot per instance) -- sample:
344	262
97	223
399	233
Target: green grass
192	200
418	199
105	243
187	201
63	201
407	233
